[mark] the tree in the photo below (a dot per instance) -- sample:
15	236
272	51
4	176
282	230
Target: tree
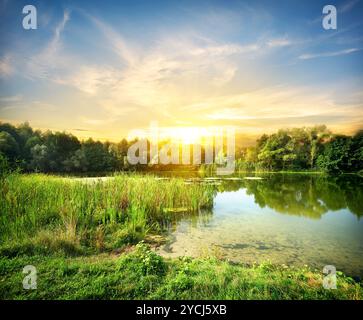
77	162
40	158
9	146
316	136
275	147
60	146
97	156
6	127
357	151
336	155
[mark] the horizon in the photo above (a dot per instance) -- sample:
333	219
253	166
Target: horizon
105	73
204	137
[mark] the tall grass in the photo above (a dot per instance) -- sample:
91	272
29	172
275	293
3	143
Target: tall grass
52	213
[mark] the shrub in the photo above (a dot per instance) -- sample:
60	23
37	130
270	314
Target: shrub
144	261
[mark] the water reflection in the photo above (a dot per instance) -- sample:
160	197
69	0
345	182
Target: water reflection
294	219
303	195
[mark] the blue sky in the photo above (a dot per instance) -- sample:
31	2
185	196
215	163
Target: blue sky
103	68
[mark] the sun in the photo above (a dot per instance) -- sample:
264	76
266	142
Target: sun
190	136
178	135
186	135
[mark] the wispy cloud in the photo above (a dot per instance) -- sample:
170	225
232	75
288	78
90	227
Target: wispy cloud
90	79
307	56
118	44
275	107
182	75
279	42
347	6
46	63
342	9
15	98
6	68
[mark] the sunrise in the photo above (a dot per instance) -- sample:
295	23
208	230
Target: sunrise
101	73
181	150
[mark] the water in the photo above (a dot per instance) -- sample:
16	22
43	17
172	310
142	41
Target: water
292	219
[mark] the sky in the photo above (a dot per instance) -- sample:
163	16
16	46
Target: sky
103	69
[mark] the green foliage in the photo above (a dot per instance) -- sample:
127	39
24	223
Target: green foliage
4	167
8	146
52	214
69	229
59	151
337	155
143	261
302	194
357	151
143	274
298	149
314	148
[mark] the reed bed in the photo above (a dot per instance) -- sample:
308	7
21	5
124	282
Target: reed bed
49	213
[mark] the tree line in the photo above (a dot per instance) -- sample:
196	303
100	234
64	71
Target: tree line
314	148
36	151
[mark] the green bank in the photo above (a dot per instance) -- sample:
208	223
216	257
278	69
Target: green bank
94	238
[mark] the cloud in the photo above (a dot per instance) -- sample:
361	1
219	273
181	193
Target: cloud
97	122
224	49
18	103
180	78
307	56
10	102
6	69
344	8
79	129
155	77
90	79
347	6
183	78
15	98
273	106
145	75
50	60
150	77
118	44
279	42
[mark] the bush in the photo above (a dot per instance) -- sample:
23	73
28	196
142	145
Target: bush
143	261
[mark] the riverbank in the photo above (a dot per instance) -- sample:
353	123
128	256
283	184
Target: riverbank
142	274
82	238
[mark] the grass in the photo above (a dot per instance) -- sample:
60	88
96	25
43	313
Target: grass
142	274
81	238
41	213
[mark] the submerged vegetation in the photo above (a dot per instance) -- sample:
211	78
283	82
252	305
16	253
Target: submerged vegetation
80	235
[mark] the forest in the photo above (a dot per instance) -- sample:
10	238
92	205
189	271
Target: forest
298	149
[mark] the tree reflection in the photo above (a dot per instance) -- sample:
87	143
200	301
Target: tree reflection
303	195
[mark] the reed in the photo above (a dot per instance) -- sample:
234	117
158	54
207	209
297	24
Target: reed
119	210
